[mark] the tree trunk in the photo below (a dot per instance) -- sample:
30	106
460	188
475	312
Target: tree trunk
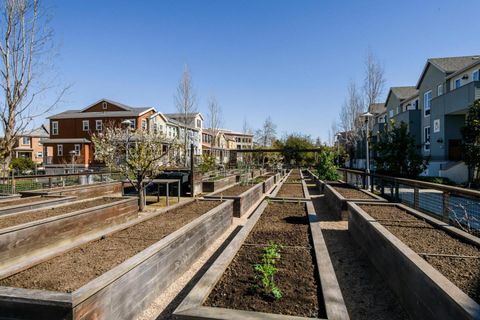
141	196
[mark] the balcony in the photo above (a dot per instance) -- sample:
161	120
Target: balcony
457	101
410	117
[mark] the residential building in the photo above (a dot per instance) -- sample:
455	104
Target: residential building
71	131
30	145
447	88
194	123
215	143
243	141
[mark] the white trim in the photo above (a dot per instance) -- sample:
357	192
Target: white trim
87	122
425	141
425	105
77	152
55	128
97	126
59	150
477	72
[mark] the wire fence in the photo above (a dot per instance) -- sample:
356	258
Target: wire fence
14	184
457	206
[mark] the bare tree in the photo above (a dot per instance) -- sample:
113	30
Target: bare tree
185	102
350	122
246	127
374	81
214	117
266	134
332	132
25	52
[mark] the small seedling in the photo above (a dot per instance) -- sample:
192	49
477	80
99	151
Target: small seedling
267	269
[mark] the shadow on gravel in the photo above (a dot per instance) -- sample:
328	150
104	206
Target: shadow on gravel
167	312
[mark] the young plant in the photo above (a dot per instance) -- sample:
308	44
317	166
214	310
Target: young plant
267	269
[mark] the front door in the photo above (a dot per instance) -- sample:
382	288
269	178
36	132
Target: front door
455	150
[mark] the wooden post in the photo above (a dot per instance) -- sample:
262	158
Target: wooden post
397	196
446	206
178	191
364	180
50	182
168	198
13	182
416	198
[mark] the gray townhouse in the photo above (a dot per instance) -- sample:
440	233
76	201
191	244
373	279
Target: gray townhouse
447	87
435	111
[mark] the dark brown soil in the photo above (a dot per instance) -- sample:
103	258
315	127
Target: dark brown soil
15	202
286	224
366	294
236	190
20	218
75	268
290	190
424	238
349	192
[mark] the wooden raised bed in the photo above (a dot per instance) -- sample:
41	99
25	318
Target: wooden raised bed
197	304
215	185
338	202
243	202
80	191
124	291
425	292
30	203
23	244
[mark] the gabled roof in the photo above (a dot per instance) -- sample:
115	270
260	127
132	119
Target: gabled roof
376	108
181	115
234	133
402	93
448	65
41	132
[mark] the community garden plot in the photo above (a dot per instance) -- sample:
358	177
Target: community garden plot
116	275
80	191
433	268
30	203
218	183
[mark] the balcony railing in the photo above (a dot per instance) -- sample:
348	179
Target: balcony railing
458	100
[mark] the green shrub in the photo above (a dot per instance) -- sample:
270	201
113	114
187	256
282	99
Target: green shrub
327	170
267	269
22	164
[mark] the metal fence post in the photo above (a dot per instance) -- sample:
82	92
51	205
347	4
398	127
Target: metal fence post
397	196
446	206
364	180
13	182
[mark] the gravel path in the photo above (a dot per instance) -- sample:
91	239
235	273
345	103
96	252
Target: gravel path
365	293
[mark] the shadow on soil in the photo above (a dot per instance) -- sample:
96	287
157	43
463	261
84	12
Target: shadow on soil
167	312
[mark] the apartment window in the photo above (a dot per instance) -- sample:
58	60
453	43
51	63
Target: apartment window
390	114
144	124
104	106
427	101
98	125
77	150
440	90
86	125
458	83
476	75
39	154
26	140
54	128
59	150
199	123
426	138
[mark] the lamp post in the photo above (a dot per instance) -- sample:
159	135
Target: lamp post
367	116
73	153
337	136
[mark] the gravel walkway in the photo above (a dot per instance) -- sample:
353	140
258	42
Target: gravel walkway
365	293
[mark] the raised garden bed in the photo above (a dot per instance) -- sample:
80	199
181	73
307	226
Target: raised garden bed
244	197
437	267
305	275
291	190
338	194
30	203
119	273
80	191
215	185
30	236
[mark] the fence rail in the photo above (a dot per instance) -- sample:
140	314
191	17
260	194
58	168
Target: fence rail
453	205
13	184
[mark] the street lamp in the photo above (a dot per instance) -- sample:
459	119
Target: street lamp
367	116
338	136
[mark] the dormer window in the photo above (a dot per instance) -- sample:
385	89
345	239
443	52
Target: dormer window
104	105
475	75
458	83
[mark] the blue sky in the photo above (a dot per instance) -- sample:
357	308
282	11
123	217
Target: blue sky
291	60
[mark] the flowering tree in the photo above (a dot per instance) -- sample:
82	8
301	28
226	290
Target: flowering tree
139	155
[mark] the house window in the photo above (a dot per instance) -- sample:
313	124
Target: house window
144	124
98	125
60	150
427	101
476	75
54	128
458	83
86	125
39	154
390	114
155	127
26	140
439	90
199	123
132	123
426	138
77	150
104	106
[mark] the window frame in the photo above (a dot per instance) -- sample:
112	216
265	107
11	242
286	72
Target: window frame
477	72
455	83
104	105
87	123
97	127
427	107
55	128
440	90
26	143
77	152
59	150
